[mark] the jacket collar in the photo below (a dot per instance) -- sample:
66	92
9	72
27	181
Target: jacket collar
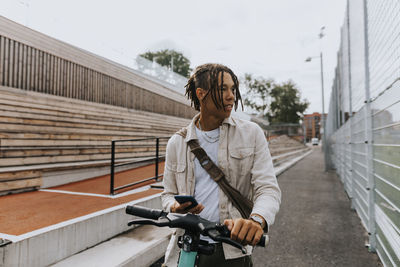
191	128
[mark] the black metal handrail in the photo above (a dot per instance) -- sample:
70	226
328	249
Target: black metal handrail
113	165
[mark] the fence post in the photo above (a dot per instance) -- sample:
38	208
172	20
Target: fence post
112	167
369	140
157	154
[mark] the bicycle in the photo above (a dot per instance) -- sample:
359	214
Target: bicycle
190	243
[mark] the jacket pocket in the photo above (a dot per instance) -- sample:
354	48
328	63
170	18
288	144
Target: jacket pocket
178	171
241	160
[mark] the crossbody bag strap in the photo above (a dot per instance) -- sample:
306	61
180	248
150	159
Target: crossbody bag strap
243	204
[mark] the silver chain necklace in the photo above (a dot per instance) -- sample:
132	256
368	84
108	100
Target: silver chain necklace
211	138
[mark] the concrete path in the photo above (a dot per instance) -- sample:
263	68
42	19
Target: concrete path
315	226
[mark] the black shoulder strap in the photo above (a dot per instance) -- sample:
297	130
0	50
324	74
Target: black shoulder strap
243	204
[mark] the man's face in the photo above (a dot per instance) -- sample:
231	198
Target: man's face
228	95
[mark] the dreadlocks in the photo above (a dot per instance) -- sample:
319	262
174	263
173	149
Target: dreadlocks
206	77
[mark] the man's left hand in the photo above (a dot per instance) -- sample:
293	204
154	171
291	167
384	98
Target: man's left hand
247	232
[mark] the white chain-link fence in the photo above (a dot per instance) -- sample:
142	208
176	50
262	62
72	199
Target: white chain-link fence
363	124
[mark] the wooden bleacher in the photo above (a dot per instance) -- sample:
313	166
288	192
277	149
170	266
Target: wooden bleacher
283	148
41	133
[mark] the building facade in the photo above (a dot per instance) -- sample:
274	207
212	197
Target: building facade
312	125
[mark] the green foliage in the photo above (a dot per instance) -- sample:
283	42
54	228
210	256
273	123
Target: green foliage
286	104
168	58
257	95
279	103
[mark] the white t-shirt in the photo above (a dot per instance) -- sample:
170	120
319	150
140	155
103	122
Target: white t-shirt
206	190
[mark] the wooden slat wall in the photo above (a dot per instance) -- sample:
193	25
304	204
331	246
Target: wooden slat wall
29	68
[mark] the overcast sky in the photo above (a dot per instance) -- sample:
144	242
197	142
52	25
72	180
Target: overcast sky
268	38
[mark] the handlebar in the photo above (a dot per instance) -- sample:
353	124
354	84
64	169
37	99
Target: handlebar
190	222
145	212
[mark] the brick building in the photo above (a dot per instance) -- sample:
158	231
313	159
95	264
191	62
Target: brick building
312	125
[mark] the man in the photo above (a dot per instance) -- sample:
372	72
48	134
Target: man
239	149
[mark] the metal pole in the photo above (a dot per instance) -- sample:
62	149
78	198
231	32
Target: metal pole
323	113
112	167
157	154
369	140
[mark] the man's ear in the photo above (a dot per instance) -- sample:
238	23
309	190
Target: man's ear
200	93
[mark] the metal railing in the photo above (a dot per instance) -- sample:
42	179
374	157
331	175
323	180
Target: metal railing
134	160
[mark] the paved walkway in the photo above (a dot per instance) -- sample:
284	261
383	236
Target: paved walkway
315	226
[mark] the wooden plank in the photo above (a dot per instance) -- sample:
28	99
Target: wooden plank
77	81
85	84
68	80
62	76
103	91
44	81
59	73
32	69
6	61
24	67
89	74
9	162
19	175
29	68
77	89
11	65
2	59
16	64
81	86
65	78
47	64
40	73
86	79
55	76
20	71
20	184
51	89
97	86
82	83
74	82
37	69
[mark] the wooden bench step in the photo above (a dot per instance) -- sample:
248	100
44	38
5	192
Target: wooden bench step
71	151
19	161
85	108
56	143
71	136
87	125
20	184
98	118
17	175
18	128
68	165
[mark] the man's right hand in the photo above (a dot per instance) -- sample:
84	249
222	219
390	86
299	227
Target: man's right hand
181	208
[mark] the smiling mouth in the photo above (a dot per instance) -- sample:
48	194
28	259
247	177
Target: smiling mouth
229	107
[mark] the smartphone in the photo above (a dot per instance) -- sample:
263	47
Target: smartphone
182	199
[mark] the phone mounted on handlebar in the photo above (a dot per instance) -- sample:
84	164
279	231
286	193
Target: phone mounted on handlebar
193	225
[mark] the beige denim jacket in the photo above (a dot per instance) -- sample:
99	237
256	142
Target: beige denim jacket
243	156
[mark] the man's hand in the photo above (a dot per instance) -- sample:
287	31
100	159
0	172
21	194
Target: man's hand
247	232
181	208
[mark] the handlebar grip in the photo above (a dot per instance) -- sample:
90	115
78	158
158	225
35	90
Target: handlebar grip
143	212
263	241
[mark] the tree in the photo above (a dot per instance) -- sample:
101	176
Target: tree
171	58
286	103
257	95
279	103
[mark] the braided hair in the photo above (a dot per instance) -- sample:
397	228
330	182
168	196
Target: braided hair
206	77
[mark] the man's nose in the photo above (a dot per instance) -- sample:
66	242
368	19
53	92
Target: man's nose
230	94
